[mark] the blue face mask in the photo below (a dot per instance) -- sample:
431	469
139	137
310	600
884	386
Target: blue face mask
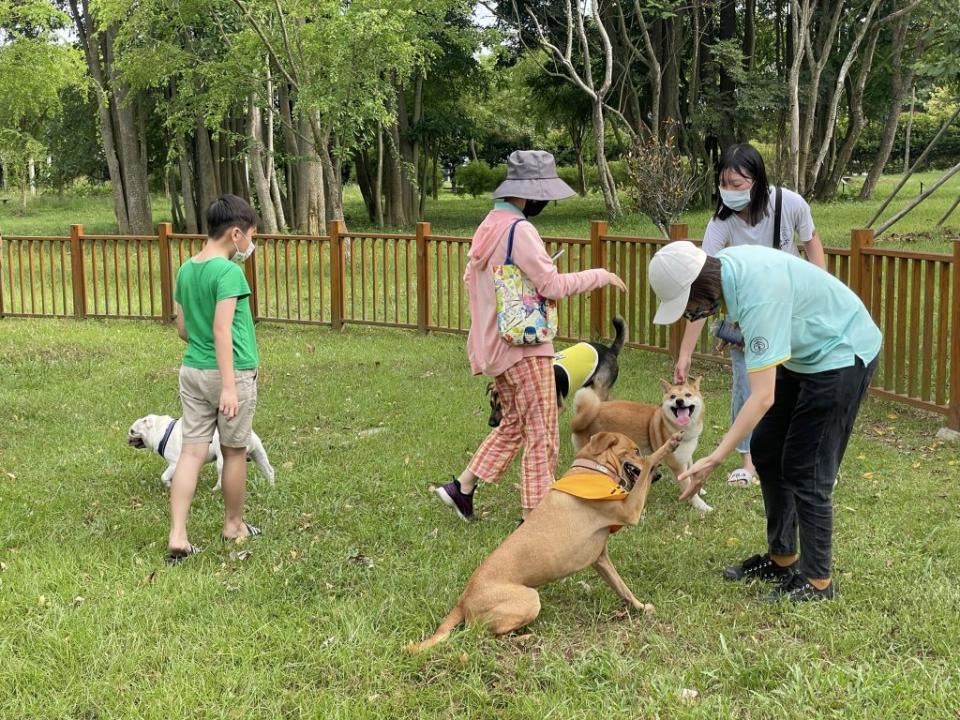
735	199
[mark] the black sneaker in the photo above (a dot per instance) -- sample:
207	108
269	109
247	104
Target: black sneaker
798	589
452	496
758	567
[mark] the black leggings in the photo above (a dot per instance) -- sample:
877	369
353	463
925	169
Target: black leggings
797	448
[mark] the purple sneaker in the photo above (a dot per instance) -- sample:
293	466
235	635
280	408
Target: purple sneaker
459	501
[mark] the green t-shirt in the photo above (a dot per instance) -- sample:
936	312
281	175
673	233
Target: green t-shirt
200	286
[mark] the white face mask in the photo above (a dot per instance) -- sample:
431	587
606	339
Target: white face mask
241	256
735	199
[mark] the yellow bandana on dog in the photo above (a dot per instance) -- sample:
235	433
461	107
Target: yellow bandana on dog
590	486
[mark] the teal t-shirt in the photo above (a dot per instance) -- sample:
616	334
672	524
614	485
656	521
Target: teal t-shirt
200	286
793	313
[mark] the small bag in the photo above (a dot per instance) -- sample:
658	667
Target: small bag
728	331
524	316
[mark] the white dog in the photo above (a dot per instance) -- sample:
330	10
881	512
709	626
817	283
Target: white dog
162	434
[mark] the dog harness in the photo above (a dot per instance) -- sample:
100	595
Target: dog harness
578	363
162	447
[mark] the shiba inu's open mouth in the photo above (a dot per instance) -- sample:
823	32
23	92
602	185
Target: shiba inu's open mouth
683	413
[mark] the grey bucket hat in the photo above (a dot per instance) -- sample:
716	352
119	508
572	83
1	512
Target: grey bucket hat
532	175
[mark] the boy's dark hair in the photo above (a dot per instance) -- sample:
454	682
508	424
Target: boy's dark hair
707	288
743	158
229	211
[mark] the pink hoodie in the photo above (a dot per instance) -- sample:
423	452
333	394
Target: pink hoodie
489	354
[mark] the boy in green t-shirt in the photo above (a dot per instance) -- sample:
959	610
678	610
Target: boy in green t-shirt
218	377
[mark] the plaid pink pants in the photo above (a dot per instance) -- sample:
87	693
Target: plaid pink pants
528	398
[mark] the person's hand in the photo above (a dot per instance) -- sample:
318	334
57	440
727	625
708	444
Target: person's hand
228	402
697	475
682	369
613	279
721	346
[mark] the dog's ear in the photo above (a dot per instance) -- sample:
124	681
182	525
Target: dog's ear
696	382
665	385
599	443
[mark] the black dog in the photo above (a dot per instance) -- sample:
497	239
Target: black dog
581	365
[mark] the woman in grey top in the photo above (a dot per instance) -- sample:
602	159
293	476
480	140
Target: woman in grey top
746	215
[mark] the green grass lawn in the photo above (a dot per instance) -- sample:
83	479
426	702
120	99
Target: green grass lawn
358	557
459	215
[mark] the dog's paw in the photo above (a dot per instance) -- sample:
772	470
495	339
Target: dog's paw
675	440
647	609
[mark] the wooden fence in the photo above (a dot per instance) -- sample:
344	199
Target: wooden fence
413	280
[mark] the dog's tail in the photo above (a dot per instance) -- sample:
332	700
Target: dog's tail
621	327
586	405
454	618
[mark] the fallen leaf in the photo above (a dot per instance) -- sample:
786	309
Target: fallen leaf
78	601
311	348
11	476
3	566
428	374
868	476
288	464
892	416
42	601
732	542
689	694
240	555
369	432
464	658
148	579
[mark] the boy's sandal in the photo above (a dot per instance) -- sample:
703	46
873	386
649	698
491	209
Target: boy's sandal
175	557
252	532
741	478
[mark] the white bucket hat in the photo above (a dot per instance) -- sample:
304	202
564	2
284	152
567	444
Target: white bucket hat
671	272
532	175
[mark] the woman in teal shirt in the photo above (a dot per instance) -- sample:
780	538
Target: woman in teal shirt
811	349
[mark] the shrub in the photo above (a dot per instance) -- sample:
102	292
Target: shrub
662	184
475	178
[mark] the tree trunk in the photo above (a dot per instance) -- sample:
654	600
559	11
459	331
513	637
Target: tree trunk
906	141
397	216
311	207
378	185
206	171
261	183
728	87
901	80
607	187
191	223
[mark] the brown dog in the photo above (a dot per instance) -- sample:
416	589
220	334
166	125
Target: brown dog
562	535
680	410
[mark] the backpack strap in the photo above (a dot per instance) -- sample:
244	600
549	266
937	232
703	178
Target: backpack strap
777	208
513	226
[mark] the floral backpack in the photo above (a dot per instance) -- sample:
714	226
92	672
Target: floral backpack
524	316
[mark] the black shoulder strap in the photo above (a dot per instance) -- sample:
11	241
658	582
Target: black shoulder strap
777	207
513	226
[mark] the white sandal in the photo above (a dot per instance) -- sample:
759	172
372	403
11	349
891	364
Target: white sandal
741	477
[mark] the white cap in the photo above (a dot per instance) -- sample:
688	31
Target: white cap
671	272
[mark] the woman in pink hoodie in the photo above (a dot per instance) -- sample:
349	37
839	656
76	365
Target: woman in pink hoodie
523	374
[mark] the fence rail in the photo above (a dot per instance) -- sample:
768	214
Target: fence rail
413	280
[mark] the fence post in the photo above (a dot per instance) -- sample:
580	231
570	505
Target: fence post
953	418
423	278
677	231
2	313
250	270
337	275
78	276
164	230
598	259
859	275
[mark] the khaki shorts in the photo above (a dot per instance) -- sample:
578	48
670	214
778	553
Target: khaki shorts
200	397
